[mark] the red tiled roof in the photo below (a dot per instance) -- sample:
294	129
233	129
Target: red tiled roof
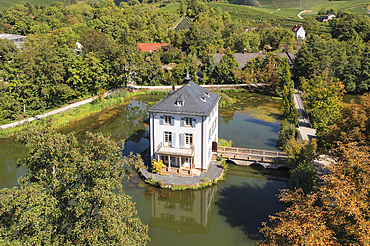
150	47
296	28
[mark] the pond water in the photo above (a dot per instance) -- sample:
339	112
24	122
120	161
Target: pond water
228	213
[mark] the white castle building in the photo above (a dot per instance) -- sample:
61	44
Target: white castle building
183	126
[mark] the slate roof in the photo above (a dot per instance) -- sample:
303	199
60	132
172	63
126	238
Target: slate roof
196	101
150	47
296	28
17	39
242	59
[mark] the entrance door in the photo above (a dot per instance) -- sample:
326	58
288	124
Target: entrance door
167	139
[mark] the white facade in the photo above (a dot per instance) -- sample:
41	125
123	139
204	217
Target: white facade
183	141
183	129
299	32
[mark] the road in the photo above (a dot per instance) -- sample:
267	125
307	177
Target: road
304	126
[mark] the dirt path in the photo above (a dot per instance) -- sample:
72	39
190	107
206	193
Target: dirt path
303	11
275	11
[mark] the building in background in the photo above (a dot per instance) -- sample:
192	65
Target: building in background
17	39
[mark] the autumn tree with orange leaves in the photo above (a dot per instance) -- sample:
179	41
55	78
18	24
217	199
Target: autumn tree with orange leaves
337	214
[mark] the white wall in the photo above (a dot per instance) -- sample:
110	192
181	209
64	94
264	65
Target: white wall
177	129
200	160
301	33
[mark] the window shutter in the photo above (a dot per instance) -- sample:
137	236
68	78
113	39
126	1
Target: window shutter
181	140
174	140
194	122
172	121
182	122
161	120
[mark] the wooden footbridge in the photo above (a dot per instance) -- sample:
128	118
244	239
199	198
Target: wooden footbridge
247	157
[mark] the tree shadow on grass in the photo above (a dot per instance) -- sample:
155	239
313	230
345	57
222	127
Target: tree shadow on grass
246	206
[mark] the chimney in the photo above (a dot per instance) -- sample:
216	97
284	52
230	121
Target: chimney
187	77
173	87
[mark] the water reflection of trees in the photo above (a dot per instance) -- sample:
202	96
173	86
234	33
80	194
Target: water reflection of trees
245	206
246	101
10	152
184	212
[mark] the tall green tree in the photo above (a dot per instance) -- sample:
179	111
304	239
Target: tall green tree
324	100
224	70
71	195
286	90
7	50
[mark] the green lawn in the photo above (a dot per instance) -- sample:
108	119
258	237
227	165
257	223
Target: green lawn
171	8
290	8
259	13
9	3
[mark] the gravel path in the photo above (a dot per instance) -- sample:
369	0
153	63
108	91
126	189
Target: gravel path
303	11
304	128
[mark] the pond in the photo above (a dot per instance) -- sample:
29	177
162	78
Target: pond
228	213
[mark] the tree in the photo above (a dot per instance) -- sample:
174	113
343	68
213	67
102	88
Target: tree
72	194
364	71
182	8
225	68
337	214
303	177
353	124
7	50
325	99
287	92
300	152
286	132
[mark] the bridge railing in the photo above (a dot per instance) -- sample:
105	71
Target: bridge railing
251	152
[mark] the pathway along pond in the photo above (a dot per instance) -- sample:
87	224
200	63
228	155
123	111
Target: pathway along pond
229	213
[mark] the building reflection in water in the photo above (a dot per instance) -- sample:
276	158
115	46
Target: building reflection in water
189	211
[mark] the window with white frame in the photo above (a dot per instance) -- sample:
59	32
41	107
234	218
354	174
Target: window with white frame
188	139
167	119
167	138
188	121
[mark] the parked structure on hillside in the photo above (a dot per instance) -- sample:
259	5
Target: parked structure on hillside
328	17
150	47
299	32
17	39
183	126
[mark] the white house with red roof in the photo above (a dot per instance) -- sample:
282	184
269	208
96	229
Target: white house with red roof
299	32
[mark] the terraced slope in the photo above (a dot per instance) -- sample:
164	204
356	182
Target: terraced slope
184	24
281	3
9	3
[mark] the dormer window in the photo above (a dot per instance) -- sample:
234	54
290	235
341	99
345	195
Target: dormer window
203	99
206	93
179	101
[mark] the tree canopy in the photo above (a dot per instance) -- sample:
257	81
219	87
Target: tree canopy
337	214
71	194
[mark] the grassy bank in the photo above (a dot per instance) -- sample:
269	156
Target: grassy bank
62	119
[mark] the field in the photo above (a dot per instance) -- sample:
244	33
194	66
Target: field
8	3
288	9
285	18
